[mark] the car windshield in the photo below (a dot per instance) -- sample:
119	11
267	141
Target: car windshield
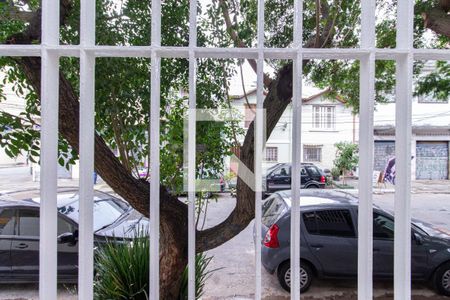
430	229
106	210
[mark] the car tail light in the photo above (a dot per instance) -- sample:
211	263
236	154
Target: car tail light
322	179
271	238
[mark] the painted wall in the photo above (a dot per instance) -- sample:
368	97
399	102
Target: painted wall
346	129
14	105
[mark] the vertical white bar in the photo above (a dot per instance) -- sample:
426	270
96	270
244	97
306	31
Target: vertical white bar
404	73
402	236
86	137
50	22
366	144
49	151
154	150
191	177
296	151
259	132
155	175
296	171
191	148
48	181
87	129
365	206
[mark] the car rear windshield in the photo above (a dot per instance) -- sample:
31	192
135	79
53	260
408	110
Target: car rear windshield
272	209
313	171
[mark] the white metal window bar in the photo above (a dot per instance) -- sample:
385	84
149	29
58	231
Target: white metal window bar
50	51
192	148
155	104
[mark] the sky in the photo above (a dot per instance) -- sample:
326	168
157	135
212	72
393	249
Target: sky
250	81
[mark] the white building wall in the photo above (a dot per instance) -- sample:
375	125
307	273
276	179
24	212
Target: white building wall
13	105
345	130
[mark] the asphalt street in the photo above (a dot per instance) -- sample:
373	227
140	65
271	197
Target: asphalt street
234	262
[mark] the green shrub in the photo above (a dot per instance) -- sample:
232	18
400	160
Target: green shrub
122	271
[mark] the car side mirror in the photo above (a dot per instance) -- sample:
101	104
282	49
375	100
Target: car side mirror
67	238
418	238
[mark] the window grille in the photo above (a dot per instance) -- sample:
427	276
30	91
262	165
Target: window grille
312	153
271	154
50	51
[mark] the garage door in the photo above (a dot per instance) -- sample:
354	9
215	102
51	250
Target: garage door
432	160
384	150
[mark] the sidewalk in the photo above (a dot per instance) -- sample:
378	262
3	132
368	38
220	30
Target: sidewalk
417	187
20	178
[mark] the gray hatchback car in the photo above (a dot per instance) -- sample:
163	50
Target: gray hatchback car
329	244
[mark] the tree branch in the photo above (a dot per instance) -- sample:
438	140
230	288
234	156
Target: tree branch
31	122
278	98
438	19
15	14
238	42
317	23
107	165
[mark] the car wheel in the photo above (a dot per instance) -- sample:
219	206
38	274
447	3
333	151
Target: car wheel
441	279
284	276
312	186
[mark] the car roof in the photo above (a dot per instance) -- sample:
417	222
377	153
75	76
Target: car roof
320	198
289	164
31	197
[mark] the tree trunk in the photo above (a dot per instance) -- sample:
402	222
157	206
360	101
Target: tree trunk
173	213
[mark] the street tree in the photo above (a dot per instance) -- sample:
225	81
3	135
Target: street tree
123	92
346	157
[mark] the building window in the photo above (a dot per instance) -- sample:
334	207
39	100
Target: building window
271	154
312	153
324	117
250	110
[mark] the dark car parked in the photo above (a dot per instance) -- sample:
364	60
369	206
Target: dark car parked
329	244
19	231
278	177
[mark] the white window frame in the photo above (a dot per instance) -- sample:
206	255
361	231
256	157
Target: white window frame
324	117
50	51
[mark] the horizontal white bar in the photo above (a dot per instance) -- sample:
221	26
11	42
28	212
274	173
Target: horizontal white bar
246	53
20	50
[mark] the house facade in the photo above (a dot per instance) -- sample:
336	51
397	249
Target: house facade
325	122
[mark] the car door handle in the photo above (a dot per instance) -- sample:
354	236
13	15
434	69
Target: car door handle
22	246
317	246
